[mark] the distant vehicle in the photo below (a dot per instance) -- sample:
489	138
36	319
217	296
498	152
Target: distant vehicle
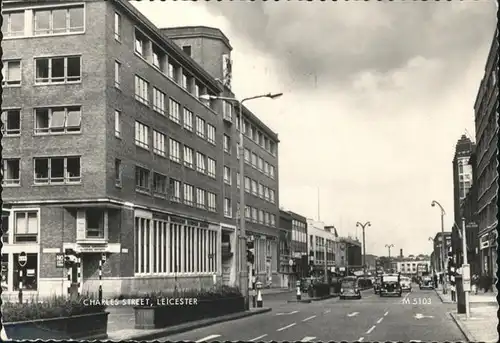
426	283
390	285
350	288
405	284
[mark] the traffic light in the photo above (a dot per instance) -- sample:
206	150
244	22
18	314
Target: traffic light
250	252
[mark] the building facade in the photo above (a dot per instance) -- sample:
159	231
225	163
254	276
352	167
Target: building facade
322	246
462	183
412	267
486	122
285	249
438	251
299	247
109	151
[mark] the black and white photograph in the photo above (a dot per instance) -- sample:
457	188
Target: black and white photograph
238	170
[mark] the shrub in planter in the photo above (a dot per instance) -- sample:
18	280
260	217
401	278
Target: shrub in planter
57	317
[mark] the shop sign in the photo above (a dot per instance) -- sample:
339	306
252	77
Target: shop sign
60	260
92	248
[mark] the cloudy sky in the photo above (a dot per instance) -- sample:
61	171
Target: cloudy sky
376	94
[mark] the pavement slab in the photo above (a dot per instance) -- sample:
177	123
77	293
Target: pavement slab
481	326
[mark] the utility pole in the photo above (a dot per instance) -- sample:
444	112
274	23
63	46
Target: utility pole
465	270
364	245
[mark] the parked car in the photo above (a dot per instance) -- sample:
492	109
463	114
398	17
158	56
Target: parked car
426	283
405	284
390	285
350	288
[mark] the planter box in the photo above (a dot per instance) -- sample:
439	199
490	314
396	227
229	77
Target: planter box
156	317
78	327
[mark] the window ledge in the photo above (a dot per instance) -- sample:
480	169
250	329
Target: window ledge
92	241
38	134
57	184
17	135
63	83
11	186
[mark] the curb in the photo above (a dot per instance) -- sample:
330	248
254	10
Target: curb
188	326
304	301
442	299
468	336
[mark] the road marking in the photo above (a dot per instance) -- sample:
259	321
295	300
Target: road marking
361	339
311	317
385	314
380	320
287	313
353	314
256	338
207	338
307	339
371	329
286	327
415	341
327	311
420	316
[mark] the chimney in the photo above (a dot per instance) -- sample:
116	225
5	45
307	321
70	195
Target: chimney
400	252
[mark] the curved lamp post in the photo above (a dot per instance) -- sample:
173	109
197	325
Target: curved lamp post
364	246
241	259
443	243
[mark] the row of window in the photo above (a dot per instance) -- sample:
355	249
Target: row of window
254	187
157	184
257	136
256	215
164	247
44	21
47	120
258	163
48	70
47	170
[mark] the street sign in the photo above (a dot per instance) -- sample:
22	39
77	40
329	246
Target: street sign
466	277
23	258
59	260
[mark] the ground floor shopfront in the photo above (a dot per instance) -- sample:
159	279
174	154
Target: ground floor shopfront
129	250
265	266
488	253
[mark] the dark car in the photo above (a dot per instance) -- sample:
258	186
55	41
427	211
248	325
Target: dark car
350	288
390	285
426	283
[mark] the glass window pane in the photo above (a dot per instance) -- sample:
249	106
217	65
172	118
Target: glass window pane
32	223
42	22
74	68
14	71
16	23
76	19
42	70
58	118
59	20
42	168
58	69
74	117
57	169
21	226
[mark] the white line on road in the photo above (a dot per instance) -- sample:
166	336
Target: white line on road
371	329
256	338
353	314
380	320
327	311
207	338
282	314
286	327
361	339
385	314
308	318
307	339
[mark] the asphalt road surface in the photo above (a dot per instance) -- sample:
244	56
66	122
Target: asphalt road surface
416	316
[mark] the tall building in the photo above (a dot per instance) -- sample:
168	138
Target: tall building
486	120
299	246
108	150
462	183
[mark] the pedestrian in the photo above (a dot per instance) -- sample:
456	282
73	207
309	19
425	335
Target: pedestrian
453	292
435	281
474	283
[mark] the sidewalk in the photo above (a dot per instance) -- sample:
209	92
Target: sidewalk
265	291
476	300
123	330
481	326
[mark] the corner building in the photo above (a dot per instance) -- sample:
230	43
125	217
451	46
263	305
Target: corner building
108	150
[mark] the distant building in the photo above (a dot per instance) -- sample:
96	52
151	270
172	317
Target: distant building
298	247
285	247
352	253
321	247
438	248
370	261
411	267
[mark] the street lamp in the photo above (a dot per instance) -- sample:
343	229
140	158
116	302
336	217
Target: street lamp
389	248
443	245
241	257
364	246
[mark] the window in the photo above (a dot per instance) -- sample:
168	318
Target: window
188	157
188	119
159	184
13	24
227	208
118	124
272	148
251	131
247	184
59	70
266	193
174	71
260	137
141	90
212	204
175	190
248	213
260	164
188	194
200	127
254	159
159	58
141	135
200	163
142	179
201	198
11	120
175	150
11	72
254	214
117	74
158	101
58	120
227	144
261	190
186	82
118	27
159	143
254	187
197	91
247	155
255	138
261	217
271	171
211	167
246	127
266	218
271	196
237	122
238	181
57	170
11	171
227	175
140	43
58	20
227	110
211	133
118	172
187	49
273	220
174	109
30	279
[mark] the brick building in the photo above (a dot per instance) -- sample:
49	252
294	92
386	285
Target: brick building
108	150
486	122
438	252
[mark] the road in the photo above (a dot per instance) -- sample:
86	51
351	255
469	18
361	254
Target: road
417	316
